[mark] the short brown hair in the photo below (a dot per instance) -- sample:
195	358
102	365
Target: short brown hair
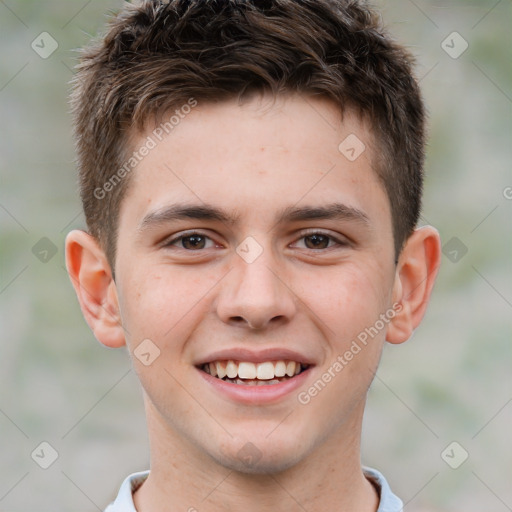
157	55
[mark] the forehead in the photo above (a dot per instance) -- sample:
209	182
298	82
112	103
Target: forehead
258	156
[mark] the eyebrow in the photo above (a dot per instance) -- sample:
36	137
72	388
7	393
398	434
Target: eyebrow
332	211
183	212
335	211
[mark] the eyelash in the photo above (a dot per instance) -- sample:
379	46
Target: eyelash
170	242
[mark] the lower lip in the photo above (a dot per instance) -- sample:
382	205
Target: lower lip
256	394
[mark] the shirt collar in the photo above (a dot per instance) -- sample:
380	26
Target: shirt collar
124	501
388	501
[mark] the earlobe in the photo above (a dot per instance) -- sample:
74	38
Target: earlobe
416	273
91	276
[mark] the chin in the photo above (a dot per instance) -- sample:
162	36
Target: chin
264	466
259	457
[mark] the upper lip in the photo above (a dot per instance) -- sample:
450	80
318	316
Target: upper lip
253	356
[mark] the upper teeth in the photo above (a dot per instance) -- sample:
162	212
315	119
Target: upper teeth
246	370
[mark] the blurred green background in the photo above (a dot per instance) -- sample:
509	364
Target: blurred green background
451	382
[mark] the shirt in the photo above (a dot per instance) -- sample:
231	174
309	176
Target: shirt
124	501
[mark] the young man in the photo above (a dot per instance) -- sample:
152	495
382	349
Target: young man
251	174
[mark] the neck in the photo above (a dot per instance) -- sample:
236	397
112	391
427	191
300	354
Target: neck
182	478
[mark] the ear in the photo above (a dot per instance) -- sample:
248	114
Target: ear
416	273
95	288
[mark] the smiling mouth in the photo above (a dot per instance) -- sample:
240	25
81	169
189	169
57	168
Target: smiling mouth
254	374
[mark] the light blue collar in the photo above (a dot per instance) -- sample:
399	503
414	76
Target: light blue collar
124	501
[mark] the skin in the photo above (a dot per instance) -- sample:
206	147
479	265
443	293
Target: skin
252	160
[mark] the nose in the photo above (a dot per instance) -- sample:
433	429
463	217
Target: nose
256	295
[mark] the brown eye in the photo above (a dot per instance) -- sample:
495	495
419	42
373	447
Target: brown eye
193	242
317	241
190	242
320	241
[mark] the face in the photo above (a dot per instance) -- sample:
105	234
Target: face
250	244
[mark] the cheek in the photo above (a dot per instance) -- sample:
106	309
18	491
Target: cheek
347	299
159	305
